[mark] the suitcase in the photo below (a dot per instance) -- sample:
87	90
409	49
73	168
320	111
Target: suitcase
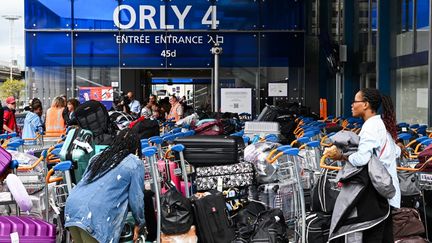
78	148
26	230
261	129
224	176
5	159
269	113
212	150
211	219
279	195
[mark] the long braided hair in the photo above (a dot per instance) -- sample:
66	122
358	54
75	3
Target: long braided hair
125	143
375	100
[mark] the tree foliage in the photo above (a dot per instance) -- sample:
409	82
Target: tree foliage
13	88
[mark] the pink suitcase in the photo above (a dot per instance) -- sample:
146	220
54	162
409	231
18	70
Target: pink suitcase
172	167
5	159
30	230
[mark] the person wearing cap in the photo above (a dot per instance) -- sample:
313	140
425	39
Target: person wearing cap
9	119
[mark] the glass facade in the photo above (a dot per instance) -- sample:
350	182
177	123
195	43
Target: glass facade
90	42
411	61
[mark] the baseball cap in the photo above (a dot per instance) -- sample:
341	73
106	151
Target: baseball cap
10	100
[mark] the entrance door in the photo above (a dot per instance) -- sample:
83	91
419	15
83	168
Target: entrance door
194	85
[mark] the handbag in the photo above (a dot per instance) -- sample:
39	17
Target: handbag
380	177
176	212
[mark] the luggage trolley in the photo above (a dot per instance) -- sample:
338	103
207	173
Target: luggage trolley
288	171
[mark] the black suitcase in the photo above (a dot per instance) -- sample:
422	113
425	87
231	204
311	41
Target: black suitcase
211	219
212	150
269	113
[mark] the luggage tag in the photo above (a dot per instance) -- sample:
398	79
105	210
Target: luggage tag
14	237
219	184
83	145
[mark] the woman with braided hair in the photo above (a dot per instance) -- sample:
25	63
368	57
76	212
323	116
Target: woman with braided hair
97	207
378	135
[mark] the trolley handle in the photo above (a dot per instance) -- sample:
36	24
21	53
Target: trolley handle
62	166
415	169
36	163
329	167
271	159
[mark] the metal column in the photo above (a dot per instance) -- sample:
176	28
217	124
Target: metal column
430	66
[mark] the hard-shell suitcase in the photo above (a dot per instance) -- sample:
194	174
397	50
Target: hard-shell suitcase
78	148
211	150
26	230
224	176
5	159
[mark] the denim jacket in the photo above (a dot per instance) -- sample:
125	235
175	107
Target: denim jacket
101	207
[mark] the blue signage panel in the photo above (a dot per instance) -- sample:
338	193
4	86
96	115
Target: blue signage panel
189	50
94	14
48	14
238	15
282	15
195	15
239	49
165	49
95	49
141	49
48	49
282	49
164	15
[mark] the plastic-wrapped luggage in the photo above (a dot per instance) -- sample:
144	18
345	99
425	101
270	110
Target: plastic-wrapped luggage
279	195
257	154
261	129
26	230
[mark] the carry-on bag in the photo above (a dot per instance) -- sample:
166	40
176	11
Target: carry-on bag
224	176
92	115
26	230
317	227
212	150
78	148
211	218
176	212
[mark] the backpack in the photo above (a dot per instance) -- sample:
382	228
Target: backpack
145	128
211	218
92	115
